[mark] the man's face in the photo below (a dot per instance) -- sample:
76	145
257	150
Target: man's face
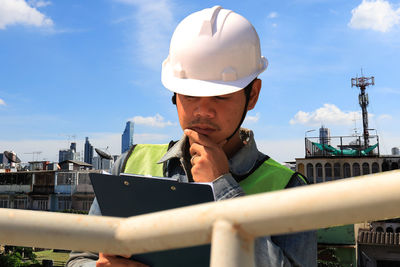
215	117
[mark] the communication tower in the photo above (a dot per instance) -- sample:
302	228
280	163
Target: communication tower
362	83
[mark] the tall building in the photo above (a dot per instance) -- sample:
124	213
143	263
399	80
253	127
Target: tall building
102	164
72	147
67	154
88	154
127	137
324	136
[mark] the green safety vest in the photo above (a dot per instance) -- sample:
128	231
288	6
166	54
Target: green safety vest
269	176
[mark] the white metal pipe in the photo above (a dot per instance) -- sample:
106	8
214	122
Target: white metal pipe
57	230
231	247
370	197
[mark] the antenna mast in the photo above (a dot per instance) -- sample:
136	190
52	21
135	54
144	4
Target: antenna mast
362	83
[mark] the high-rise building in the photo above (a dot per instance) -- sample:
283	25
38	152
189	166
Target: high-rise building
324	136
127	137
73	146
68	154
88	154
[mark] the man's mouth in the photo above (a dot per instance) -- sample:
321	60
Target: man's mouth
205	130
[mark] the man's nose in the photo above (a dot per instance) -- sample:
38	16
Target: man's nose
204	108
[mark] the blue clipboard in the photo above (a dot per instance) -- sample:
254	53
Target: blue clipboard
131	195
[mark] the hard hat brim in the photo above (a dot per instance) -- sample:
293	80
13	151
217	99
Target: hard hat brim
201	88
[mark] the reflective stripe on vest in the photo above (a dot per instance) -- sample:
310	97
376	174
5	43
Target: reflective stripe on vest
143	160
269	176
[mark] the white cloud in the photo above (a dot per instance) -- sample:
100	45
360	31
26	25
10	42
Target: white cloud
282	150
252	119
154	24
14	12
272	15
39	3
328	114
155	121
385	117
377	15
2	102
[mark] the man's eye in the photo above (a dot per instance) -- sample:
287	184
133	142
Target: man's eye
221	97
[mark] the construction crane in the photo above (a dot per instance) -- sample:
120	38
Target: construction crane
37	153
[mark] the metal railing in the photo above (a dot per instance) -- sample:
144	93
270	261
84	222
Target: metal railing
230	226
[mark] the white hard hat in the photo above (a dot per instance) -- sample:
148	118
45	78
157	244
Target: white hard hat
213	52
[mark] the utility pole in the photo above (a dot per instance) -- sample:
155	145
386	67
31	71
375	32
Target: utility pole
362	83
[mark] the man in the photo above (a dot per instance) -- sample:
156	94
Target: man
212	70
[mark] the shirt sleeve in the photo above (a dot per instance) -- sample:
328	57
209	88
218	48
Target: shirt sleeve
226	187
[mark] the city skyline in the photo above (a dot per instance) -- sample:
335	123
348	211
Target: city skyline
82	69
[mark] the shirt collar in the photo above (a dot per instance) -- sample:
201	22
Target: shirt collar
241	163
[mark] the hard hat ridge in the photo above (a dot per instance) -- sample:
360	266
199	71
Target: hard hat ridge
208	27
214	51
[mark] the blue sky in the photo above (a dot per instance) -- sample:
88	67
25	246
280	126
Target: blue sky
71	69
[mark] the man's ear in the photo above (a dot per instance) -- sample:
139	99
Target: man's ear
255	92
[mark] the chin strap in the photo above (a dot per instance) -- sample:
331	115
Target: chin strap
247	92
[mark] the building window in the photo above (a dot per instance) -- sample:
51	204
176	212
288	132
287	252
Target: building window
20	203
385	166
3	202
394	166
84	178
86	204
336	171
66	178
318	170
356	169
365	168
375	167
41	204
64	203
310	171
346	170
328	172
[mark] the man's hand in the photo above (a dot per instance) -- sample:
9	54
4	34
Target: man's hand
209	160
106	260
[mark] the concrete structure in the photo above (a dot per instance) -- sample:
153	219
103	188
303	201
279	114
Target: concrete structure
324	169
46	190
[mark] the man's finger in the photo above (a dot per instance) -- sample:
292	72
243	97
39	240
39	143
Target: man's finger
196	149
195	137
